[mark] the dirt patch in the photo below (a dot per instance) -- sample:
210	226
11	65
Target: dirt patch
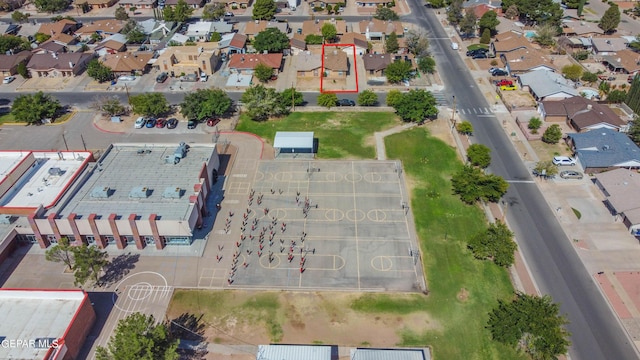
463	295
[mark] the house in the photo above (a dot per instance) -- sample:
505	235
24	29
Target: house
297	44
64	26
246	63
547	85
307	65
314	27
188	59
103	28
58	64
254	27
375	29
336	64
608	45
162	31
621	188
581	114
136	63
372	4
93	4
63	39
178	39
202	30
581	28
525	60
323	3
358	40
508	42
49	47
482	9
376	64
604	149
575	43
139	4
196	4
9	63
233	43
233	4
624	61
492	4
9	29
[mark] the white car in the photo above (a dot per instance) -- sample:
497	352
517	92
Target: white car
126	78
564	160
140	122
8	79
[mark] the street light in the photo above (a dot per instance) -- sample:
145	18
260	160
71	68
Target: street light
453	114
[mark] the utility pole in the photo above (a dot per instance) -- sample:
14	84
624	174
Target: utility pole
453	114
129	99
293	97
65	142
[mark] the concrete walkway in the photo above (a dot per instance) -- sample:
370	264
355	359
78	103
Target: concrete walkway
380	148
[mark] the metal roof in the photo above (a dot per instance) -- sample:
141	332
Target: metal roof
546	83
293	139
603	148
297	352
389	354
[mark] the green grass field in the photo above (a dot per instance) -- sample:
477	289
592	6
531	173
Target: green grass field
477	46
340	135
7	118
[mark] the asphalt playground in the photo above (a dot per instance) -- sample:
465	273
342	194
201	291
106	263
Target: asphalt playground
321	225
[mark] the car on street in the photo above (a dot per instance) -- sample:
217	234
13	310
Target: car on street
346	102
508	87
570	174
172	123
151	123
500	72
140	122
228	14
212	121
503	82
191	124
160	123
563	160
8	79
162	77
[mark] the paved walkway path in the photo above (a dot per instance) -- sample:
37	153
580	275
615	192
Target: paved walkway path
380	148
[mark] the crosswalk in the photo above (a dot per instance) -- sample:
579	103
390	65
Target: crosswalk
476	111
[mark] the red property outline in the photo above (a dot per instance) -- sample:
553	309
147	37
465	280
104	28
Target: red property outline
354	67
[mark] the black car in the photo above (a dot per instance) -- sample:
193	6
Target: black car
172	123
499	73
191	124
346	102
476	51
480	55
162	77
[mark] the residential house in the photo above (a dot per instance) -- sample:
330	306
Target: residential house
547	85
621	188
572	44
202	30
604	149
49	47
93	4
233	43
196	4
525	60
254	27
608	45
233	4
136	63
581	28
372	4
314	27
178	60
571	15
163	31
103	28
581	114
246	63
58	64
177	39
375	29
63	39
482	9
9	63
358	40
336	64
9	29
111	45
307	65
491	4
624	61
64	26
297	44
508	42
323	3
139	4
376	64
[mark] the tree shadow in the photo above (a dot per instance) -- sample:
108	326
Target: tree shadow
189	329
118	268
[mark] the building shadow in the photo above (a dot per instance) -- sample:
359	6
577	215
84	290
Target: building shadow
189	329
103	303
118	268
9	265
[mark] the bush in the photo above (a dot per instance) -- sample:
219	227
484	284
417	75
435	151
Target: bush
580	55
465	128
534	124
494	62
479	155
589	77
486	37
552	135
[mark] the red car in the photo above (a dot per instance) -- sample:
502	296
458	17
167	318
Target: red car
162	122
212	121
504	82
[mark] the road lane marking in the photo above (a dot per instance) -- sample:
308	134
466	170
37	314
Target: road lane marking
521	181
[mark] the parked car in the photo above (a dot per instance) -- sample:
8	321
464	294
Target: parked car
455	46
162	77
8	79
203	77
346	102
605	77
191	124
140	122
480	55
508	87
162	122
172	123
564	160
503	82
151	123
499	72
126	78
570	174
212	121
477	51
229	14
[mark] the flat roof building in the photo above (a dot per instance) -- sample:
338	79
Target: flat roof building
294	142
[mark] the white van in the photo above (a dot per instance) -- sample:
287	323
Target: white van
455	46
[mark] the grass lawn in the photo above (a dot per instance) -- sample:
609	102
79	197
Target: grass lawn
477	46
340	134
548	151
7	118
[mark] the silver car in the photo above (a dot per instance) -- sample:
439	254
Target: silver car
570	174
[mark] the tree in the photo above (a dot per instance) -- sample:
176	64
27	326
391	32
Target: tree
534	124
88	263
313	39
572	72
133	9
398	71
391	43
635	44
604	87
60	17
489	21
634	131
464	128
271	40
215	36
327	100
108	105
33	108
51	6
13	43
264	9
454	12
546	168
128	26
329	32
417	106
512	12
263	72
9	5
19	17
580	8
552	135
385	14
394	97
468	23
139	336
149	104
486	37
40	37
213	11
136	36
589	77
437	4
611	19
98	71
417	43
532	323
121	14
204	103
61	252
426	64
616	96
292	97
262	103
633	96
367	98
479	155
472	185
22	70
180	12
536	12
496	244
